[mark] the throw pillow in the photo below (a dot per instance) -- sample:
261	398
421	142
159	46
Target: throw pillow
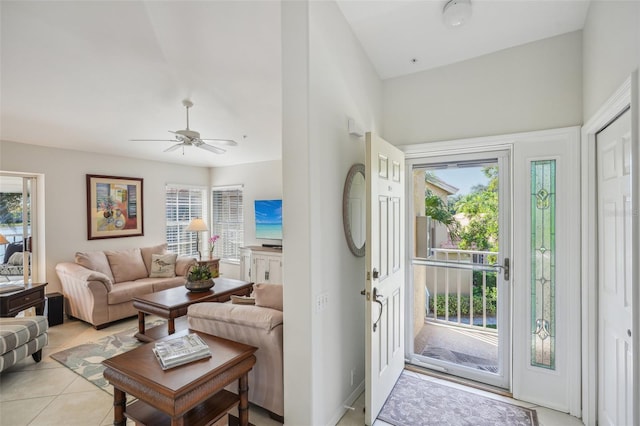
95	261
126	265
163	265
16	259
242	300
147	252
11	249
268	295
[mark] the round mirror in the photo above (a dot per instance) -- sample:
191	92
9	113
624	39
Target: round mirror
354	209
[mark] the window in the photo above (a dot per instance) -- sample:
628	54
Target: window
228	222
19	220
543	263
184	203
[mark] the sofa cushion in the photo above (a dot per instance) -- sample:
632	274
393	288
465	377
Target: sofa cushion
163	265
159	284
183	263
148	252
126	291
16	332
126	265
16	258
96	261
268	295
246	315
10	249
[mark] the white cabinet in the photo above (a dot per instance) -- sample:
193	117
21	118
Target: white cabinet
261	265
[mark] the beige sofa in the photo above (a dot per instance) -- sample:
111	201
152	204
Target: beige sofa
100	285
258	325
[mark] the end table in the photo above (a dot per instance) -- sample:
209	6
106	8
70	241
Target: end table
14	302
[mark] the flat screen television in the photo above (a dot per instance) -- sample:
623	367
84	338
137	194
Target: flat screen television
268	219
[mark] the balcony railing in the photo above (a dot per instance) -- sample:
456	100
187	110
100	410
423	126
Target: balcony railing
461	287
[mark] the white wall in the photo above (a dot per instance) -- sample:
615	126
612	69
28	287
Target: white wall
535	86
611	43
326	78
66	203
260	181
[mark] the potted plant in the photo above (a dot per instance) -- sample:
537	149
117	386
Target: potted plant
199	278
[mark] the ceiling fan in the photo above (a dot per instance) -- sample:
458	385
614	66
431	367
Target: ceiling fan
190	137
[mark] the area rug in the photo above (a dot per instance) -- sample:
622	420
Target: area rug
418	402
86	359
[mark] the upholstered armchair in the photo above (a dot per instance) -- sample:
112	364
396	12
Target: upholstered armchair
258	325
12	264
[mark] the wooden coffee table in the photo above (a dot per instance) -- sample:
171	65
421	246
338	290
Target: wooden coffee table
174	302
191	394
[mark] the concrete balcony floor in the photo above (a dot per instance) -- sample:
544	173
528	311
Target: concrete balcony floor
476	348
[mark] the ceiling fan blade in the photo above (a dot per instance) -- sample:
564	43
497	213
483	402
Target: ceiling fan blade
211	148
152	140
227	142
174	147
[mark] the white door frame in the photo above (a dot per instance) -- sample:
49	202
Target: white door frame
573	325
626	96
503	159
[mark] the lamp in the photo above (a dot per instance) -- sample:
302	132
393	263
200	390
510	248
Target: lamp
197	225
3	240
456	12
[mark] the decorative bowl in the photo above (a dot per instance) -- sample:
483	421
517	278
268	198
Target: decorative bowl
197	286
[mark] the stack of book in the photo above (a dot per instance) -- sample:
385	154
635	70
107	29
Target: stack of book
181	350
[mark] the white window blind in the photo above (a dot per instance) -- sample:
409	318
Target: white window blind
182	205
228	222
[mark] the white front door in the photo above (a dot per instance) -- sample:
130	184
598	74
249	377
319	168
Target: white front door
385	281
464	329
613	145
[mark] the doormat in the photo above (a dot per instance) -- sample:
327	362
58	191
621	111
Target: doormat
462	359
418	402
86	359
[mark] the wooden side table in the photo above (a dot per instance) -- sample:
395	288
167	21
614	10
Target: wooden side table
213	263
32	296
186	395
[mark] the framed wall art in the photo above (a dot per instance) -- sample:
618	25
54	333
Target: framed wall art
114	207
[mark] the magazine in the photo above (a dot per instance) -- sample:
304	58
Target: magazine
181	350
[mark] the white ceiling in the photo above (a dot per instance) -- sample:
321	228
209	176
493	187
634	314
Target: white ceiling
393	33
90	75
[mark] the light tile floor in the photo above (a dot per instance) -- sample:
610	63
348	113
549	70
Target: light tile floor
47	393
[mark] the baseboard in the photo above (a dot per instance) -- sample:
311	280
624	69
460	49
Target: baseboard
347	403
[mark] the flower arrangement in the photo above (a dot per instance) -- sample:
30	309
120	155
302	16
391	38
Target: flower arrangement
212	243
199	273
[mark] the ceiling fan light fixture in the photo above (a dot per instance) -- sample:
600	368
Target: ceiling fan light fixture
456	12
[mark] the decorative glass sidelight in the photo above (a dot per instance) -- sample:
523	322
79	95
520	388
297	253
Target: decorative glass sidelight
543	263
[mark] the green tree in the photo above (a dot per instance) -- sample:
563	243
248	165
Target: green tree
10	208
439	210
480	207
